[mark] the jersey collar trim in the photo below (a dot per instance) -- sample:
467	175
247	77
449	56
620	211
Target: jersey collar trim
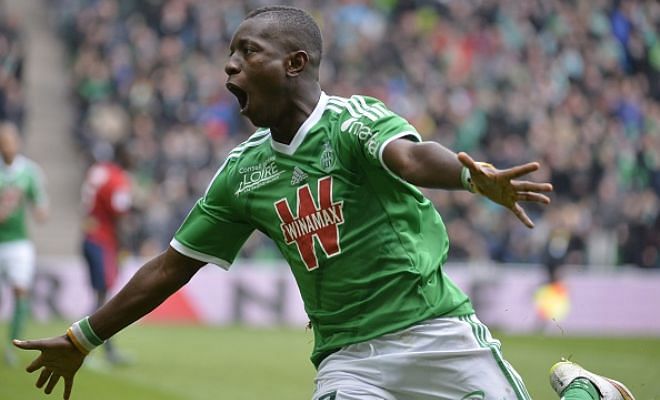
304	129
19	162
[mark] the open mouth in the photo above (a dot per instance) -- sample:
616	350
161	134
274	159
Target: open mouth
241	95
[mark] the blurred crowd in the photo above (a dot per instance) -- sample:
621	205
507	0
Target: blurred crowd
12	57
572	84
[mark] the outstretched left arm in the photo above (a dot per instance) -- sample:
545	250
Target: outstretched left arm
431	165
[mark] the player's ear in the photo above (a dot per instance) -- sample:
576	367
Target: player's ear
296	62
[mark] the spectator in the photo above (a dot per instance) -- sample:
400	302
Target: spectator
12	104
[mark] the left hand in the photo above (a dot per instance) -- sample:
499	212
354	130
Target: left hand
502	187
59	358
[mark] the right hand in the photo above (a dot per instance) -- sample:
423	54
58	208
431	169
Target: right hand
59	358
504	188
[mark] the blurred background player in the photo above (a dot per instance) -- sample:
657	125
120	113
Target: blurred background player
106	197
21	185
563	249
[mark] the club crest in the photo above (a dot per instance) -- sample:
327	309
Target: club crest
327	157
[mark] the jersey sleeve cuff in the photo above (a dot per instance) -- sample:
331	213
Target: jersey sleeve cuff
411	134
188	252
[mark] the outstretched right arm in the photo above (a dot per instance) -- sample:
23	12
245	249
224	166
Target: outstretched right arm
157	280
150	286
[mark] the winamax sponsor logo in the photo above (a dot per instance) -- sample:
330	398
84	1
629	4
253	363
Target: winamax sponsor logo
318	219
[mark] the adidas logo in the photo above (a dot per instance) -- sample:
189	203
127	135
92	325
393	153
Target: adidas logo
299	176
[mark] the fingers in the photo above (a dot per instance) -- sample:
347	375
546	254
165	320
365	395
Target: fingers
522	190
43	377
509	173
527	186
54	378
34	365
28	344
467	161
532	197
68	386
522	216
520	170
47	376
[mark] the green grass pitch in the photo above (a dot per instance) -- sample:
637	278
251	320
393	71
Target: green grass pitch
206	363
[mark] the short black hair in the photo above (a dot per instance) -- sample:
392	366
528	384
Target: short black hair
296	28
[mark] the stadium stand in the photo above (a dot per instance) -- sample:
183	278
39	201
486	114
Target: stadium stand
573	84
34	95
12	104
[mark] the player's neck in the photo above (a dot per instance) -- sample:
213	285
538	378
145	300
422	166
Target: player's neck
8	161
300	109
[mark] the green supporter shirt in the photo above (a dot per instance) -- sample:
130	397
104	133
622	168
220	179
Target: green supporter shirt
21	184
366	248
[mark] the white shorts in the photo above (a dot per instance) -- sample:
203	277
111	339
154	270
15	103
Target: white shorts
452	358
17	263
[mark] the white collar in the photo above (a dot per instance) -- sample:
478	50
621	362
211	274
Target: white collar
19	160
304	129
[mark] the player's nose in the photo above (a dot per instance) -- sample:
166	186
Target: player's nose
232	67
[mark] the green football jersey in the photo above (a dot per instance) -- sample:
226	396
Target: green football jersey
21	184
366	248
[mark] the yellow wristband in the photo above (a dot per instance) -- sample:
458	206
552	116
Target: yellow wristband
76	344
